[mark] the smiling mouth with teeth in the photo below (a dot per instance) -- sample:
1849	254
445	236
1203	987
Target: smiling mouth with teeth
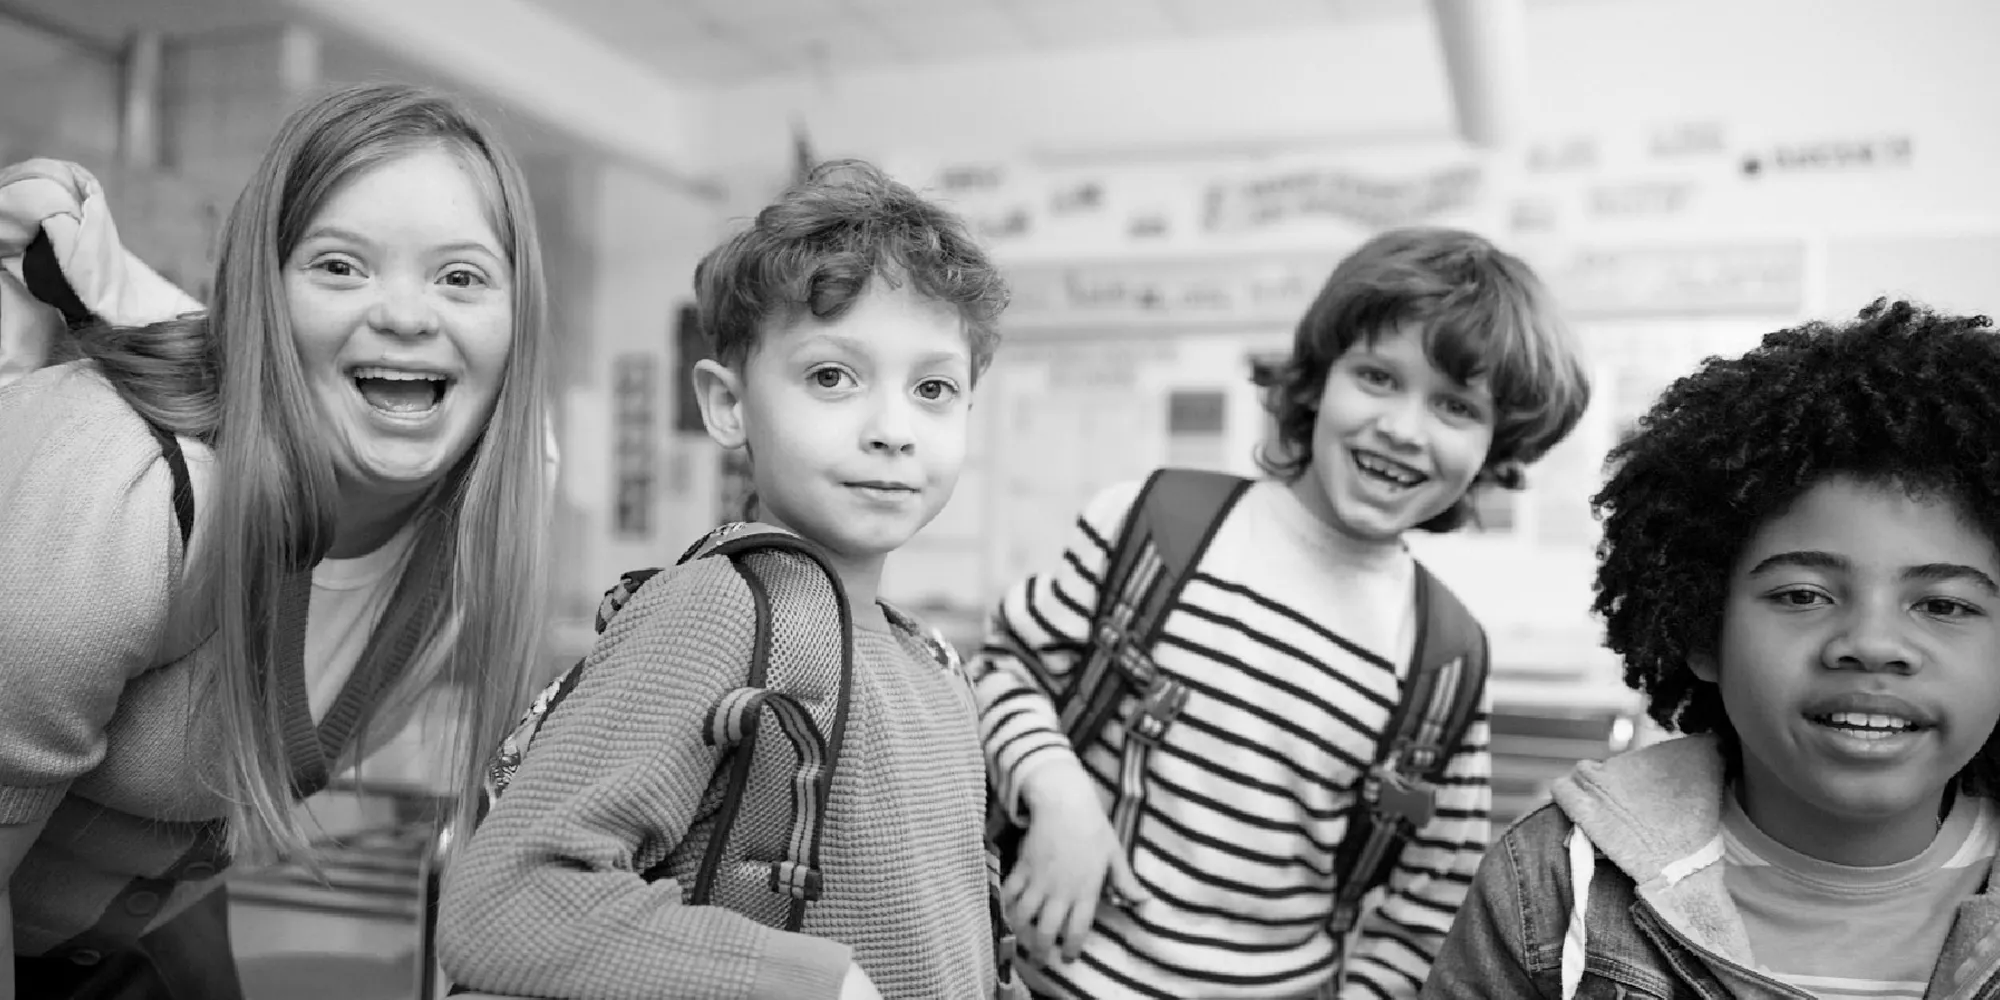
1868	725
399	391
1387	470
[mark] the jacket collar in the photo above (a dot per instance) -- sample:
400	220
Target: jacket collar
1656	814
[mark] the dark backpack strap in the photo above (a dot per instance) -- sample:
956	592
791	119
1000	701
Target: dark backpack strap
170	449
799	683
1439	699
1170	525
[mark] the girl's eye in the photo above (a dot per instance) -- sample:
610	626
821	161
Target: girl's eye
935	389
829	378
338	268
464	277
1373	376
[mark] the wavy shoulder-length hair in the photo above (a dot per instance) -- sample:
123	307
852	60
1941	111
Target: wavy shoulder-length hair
233	378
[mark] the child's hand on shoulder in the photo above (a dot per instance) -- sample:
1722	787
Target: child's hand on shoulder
1069	853
857	986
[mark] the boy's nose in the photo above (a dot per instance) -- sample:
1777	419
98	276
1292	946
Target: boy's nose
1402	425
1873	640
889	429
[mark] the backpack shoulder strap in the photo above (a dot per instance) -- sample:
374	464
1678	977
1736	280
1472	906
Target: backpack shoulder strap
782	731
170	449
1169	527
1440	697
1163	538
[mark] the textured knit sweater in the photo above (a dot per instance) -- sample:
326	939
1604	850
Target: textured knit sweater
103	674
547	899
1292	644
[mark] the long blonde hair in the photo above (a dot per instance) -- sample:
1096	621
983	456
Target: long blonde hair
233	378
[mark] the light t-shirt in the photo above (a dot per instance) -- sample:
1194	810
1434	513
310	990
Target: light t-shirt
1841	932
348	598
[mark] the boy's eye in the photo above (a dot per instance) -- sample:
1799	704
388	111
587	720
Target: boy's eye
828	378
1798	597
1946	607
935	389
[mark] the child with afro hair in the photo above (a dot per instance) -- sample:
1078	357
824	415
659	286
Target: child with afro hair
1798	569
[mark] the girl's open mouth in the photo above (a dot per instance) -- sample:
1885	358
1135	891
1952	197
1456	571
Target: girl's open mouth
400	391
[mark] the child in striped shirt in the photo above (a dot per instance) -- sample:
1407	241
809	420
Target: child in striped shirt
1430	363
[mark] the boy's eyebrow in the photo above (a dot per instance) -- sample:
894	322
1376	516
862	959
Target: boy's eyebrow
859	345
1803	559
1937	571
1952	571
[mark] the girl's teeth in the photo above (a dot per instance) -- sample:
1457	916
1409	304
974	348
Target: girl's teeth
1866	720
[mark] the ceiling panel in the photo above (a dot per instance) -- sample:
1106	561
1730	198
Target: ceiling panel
708	59
1210	17
761	14
701	42
110	22
1057	23
932	34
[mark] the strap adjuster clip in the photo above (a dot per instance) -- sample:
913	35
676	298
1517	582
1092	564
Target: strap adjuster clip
1157	709
1406	802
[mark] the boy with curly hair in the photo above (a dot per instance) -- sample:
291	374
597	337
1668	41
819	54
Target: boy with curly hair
1430	361
848	324
1799	566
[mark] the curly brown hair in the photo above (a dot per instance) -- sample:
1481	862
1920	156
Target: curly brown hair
1482	312
1899	395
815	250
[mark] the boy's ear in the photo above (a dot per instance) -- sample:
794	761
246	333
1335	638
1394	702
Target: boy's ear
719	391
1704	666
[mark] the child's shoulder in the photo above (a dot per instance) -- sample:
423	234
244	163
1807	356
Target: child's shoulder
1107	508
701	601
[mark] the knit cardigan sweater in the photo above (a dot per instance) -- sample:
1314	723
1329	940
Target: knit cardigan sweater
547	899
105	733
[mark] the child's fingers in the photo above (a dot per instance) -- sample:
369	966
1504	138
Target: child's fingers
1015	886
1040	931
1124	885
1023	908
1076	930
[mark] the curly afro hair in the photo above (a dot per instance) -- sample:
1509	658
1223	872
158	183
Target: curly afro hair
1899	395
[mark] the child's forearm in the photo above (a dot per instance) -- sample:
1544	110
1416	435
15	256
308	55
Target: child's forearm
546	898
581	934
1019	729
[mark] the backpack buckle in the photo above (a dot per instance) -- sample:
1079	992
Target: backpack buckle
1407	802
1157	710
796	880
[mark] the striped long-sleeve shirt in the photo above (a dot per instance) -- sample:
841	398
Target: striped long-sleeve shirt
1292	642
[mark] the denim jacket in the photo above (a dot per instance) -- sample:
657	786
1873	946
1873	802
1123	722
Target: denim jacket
1634	844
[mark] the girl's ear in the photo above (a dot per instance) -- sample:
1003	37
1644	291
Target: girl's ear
718	389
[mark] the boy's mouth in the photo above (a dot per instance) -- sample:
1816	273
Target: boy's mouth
400	391
1868	725
1387	470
